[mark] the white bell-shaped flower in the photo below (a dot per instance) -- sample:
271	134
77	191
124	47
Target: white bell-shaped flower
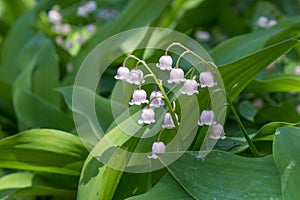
207	118
207	80
168	121
135	77
147	116
157	148
138	97
190	87
156	100
122	73
217	132
54	16
176	76
165	62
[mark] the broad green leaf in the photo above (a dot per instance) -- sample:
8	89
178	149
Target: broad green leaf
267	132
166	188
22	184
43	150
34	112
38	69
239	74
15	8
286	155
275	83
135	15
9	69
243	45
222	175
90	179
247	110
285	112
102	105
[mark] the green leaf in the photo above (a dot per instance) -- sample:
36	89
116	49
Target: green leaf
267	132
275	83
135	15
166	188
9	69
43	150
90	177
102	105
22	184
34	112
223	175
285	112
241	46
247	110
286	155
239	74
39	69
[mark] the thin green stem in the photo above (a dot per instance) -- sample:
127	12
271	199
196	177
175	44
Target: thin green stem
248	139
185	48
161	88
181	55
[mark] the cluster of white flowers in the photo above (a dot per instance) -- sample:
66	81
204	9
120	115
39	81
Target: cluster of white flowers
158	98
87	8
64	30
264	22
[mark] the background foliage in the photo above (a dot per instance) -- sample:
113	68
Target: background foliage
41	156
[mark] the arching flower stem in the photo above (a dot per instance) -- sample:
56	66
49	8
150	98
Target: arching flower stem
161	88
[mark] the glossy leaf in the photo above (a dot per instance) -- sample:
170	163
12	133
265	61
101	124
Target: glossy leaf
275	83
20	184
244	45
43	150
166	188
213	177
247	110
267	132
135	15
286	155
239	74
34	112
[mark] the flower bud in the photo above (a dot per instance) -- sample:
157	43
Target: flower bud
156	100
168	121
176	76
139	97
217	132
122	73
207	118
147	116
165	63
190	87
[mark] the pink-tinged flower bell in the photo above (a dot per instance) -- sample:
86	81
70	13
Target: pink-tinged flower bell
217	132
139	96
190	87
156	100
168	121
122	73
297	70
165	63
135	77
207	118
157	148
147	116
207	80
54	16
176	76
